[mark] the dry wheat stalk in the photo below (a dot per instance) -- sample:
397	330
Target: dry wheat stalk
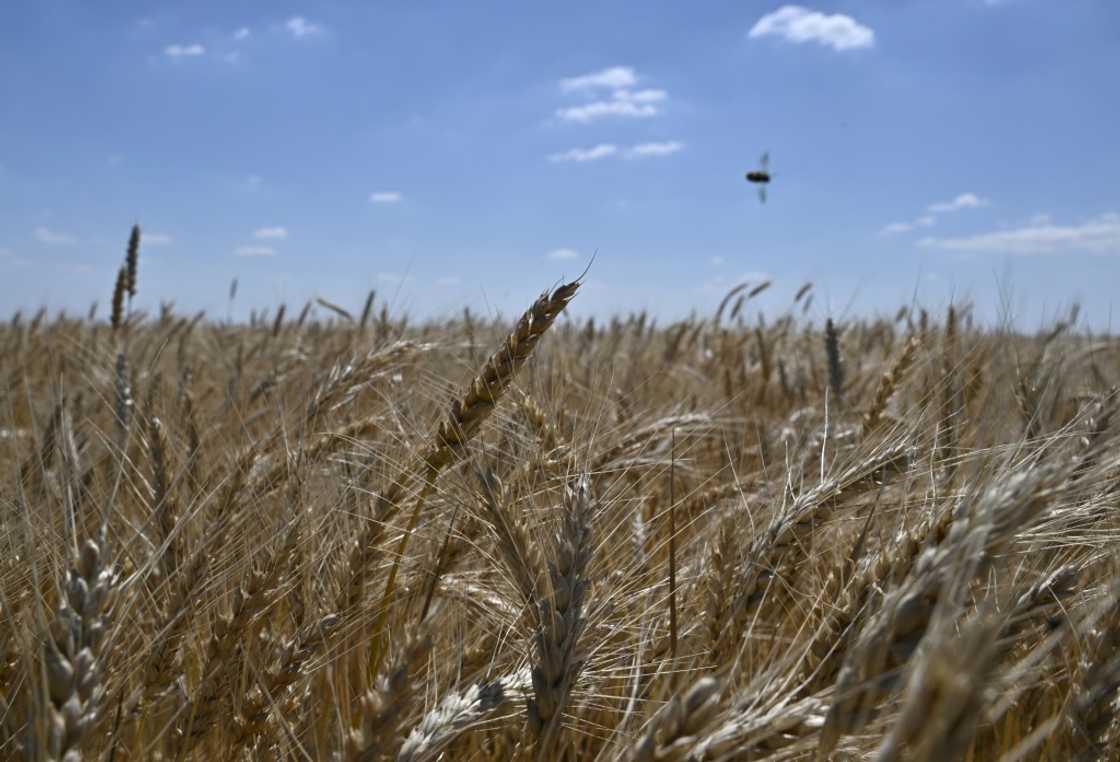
675	730
295	653
72	659
848	592
221	663
869	669
786	538
835	361
1091	714
562	620
132	261
160	664
449	442
381	710
890	382
944	698
165	509
457	712
521	555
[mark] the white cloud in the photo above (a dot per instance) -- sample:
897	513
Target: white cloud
645	150
601	151
184	51
241	33
156	239
613	78
274	232
648	95
253	182
385	197
232	57
797	24
963	201
622	102
255	251
563	254
895	228
589	112
53	237
301	27
929	220
1099	235
606	150
716	261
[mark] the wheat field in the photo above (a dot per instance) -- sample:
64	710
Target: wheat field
339	534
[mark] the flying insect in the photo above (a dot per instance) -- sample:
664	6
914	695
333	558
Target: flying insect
761	176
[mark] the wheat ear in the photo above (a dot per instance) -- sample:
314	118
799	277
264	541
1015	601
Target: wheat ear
562	620
72	655
676	728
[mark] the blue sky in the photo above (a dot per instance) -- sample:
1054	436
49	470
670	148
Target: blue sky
451	154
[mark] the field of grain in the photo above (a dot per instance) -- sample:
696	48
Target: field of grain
337	534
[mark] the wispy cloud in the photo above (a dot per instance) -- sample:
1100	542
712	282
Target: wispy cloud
647	150
963	201
797	24
601	151
385	197
273	232
255	251
241	33
589	112
608	150
1100	235
614	78
156	239
53	237
563	254
649	95
184	51
895	228
622	101
299	27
